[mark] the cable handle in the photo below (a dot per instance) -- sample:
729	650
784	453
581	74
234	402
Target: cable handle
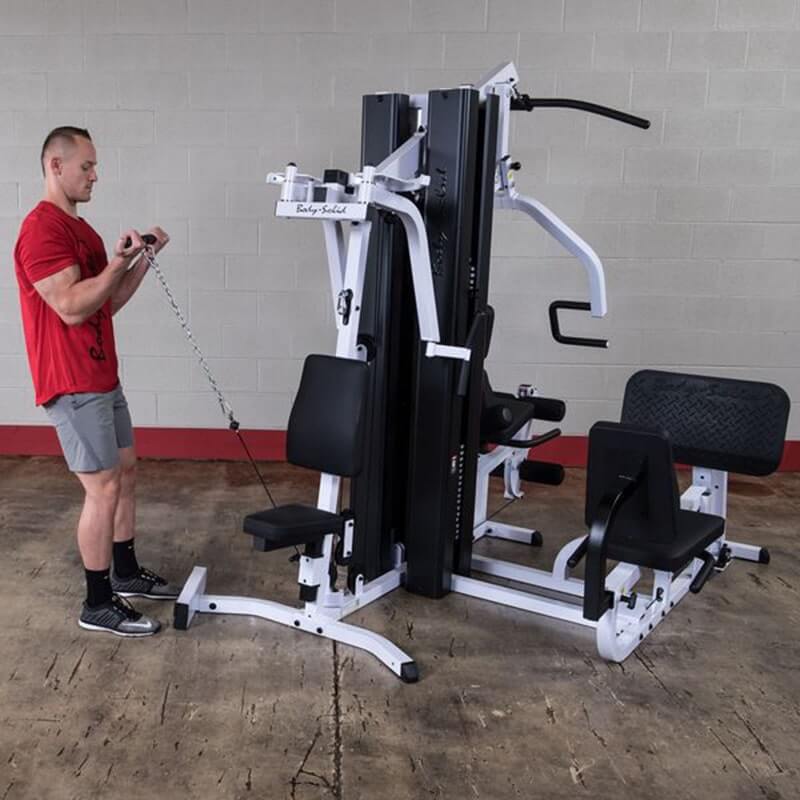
147	238
522	102
555	327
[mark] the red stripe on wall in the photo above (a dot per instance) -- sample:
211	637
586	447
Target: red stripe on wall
203	444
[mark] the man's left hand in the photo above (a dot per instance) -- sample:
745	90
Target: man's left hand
162	238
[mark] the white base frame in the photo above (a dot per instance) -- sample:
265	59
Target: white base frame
315	619
633	615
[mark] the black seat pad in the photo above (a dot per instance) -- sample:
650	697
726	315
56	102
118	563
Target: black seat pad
695	532
289	525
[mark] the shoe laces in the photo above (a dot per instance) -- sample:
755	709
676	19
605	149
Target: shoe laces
122	605
151	576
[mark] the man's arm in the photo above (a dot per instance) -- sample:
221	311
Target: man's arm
75	300
133	278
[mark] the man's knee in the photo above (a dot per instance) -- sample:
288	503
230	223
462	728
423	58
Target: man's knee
127	469
104	486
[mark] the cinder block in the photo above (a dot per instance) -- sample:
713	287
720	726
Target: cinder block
24	16
607	88
484	50
729	240
669	90
279	375
534	15
778	350
65	17
275	55
23	91
299	16
251	341
774	50
721	314
190	127
285	308
9	200
260	273
226	90
156	374
448	15
781	241
741	88
601	165
730	166
791	98
72	91
707	128
746	14
708	49
747	278
662	276
18	407
167	91
195	200
350	85
211	164
224	236
776	314
766	204
787	166
673	15
607	132
620	203
14	372
121	128
142	406
177	52
231	375
655	239
660	165
601	15
555	50
690	203
770	128
153	16
41	53
210	16
626	52
250	201
119	53
262	129
99	16
421	50
154	163
131	200
372	15
20	164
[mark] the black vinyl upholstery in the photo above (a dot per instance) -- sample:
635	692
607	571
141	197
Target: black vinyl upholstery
718	423
289	525
326	426
649	529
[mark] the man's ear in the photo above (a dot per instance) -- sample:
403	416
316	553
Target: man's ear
55	165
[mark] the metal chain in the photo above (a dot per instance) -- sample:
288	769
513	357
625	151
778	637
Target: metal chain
223	403
233	423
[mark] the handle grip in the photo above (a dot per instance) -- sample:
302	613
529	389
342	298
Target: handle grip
147	238
555	329
523	102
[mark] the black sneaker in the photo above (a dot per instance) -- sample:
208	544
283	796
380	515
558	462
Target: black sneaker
118	616
144	584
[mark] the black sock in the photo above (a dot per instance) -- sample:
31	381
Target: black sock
98	587
125	563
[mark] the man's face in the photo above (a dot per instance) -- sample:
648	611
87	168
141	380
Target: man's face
76	170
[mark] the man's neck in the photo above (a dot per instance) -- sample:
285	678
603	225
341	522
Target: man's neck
63	202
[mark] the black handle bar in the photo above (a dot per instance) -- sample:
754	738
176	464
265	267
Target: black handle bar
555	329
147	238
522	102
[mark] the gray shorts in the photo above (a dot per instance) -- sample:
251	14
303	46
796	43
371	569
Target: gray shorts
91	427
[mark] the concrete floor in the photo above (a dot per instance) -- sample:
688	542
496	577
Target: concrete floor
508	706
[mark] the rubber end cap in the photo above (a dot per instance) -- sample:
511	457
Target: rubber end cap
536	539
763	556
409	673
180	618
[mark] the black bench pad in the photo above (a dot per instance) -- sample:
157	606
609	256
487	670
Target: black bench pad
290	525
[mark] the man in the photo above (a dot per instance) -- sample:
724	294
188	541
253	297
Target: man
69	291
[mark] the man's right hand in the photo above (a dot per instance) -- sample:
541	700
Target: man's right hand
133	249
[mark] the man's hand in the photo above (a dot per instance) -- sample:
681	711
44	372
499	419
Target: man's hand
132	250
162	238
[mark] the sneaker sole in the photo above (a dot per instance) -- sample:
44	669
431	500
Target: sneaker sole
89	627
148	596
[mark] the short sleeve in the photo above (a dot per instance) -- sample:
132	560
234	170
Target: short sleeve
45	247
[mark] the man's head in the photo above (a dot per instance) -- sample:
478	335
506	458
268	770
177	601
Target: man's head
69	163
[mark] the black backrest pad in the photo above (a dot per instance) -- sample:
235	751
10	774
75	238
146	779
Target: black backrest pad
326	426
621	449
718	423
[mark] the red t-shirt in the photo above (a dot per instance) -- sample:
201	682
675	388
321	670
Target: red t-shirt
63	358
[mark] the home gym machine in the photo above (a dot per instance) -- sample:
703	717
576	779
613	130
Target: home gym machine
403	408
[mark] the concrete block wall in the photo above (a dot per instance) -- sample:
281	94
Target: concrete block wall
192	102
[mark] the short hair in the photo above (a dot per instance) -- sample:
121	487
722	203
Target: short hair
63	134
